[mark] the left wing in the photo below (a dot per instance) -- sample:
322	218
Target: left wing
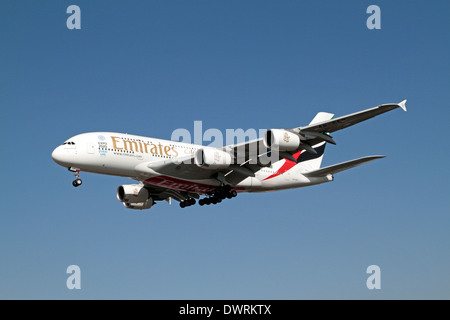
311	135
349	120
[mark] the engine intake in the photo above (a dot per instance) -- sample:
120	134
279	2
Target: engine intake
281	140
211	158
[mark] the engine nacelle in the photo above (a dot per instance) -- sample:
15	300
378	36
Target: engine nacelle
132	194
281	140
211	158
140	205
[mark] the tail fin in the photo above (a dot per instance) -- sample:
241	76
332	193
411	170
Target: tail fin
307	161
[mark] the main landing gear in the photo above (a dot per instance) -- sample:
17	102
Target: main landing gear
221	193
76	172
187	203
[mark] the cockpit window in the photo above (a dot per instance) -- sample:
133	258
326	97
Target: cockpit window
69	142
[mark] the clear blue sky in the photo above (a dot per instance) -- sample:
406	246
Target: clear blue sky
149	67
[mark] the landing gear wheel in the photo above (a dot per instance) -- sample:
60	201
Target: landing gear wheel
76	172
187	203
77	182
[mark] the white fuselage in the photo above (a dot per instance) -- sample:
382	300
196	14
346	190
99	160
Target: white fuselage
131	156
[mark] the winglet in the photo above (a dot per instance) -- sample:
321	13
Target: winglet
403	105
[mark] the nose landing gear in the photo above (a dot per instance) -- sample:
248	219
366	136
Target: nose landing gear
76	172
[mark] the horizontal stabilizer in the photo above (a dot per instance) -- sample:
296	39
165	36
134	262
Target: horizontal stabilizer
336	168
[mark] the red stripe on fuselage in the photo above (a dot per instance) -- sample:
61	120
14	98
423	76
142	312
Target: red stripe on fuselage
287	165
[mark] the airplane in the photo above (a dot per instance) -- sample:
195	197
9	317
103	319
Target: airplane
165	170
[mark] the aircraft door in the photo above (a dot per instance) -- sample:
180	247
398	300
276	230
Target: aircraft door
90	147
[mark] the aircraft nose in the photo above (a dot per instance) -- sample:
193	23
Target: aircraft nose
59	156
56	154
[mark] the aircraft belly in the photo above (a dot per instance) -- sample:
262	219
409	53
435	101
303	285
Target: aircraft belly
197	186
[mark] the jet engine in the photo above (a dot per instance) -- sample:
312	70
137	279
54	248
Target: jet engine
211	158
132	193
281	140
140	205
134	196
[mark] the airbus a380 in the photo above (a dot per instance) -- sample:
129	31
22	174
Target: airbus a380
165	170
